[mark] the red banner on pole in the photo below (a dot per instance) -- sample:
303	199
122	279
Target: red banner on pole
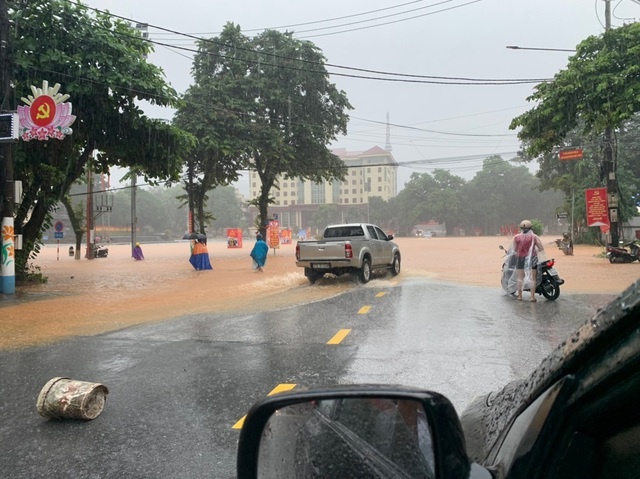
597	207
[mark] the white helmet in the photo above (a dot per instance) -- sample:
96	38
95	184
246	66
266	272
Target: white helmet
525	225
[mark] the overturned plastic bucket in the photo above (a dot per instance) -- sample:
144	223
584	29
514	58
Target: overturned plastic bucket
66	398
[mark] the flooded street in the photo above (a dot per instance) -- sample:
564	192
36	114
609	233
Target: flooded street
90	297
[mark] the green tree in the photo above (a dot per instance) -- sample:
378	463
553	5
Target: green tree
324	216
273	93
445	200
101	63
213	111
227	210
380	213
412	203
599	89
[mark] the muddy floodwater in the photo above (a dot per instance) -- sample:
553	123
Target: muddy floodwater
85	297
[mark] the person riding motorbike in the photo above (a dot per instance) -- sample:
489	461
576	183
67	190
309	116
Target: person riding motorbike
526	246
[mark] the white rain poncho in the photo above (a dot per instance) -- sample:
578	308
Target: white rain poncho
525	252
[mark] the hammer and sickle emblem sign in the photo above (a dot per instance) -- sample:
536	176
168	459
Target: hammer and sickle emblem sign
44	112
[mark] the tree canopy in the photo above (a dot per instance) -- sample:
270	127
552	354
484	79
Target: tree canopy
266	102
599	89
101	63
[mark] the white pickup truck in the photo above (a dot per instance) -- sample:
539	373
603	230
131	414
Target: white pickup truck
357	248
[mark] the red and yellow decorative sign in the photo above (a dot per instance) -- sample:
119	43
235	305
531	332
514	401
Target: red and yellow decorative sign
234	238
273	234
597	207
46	116
286	236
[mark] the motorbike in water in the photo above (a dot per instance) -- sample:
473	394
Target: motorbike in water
565	245
547	279
622	255
100	251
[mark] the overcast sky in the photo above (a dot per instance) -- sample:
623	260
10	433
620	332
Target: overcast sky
445	38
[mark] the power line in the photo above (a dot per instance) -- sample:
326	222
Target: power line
434	131
396	21
442	79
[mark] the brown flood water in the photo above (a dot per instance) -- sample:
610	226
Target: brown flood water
90	297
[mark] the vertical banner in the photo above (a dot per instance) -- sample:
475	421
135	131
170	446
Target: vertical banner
7	259
597	207
234	238
274	234
286	236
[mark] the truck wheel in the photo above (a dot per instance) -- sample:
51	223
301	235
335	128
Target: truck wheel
312	275
365	271
395	266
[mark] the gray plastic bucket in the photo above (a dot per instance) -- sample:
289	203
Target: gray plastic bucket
66	398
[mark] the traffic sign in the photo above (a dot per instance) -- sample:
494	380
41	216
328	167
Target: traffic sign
58	235
58	226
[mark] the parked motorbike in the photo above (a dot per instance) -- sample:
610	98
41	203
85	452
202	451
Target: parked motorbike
547	279
100	251
622	255
565	245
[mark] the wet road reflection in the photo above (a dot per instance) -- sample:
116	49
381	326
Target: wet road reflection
178	386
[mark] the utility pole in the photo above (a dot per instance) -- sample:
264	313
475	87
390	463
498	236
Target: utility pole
609	161
7	268
89	254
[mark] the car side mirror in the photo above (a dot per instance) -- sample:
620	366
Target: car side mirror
354	431
389	237
501	247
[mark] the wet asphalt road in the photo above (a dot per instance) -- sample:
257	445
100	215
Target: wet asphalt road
177	388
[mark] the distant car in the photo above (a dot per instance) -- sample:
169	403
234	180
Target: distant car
427	234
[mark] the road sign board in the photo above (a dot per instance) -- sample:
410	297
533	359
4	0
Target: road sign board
573	154
562	214
58	235
58	226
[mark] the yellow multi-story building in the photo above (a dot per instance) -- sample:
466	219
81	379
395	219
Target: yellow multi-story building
369	173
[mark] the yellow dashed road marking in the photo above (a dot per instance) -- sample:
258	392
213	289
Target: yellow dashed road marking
340	335
278	389
364	310
380	295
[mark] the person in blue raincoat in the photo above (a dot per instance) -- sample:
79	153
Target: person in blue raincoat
200	256
259	253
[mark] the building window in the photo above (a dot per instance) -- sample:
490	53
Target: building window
293	202
284	193
353	182
379	179
278	202
368	170
379	169
285	202
278	193
317	193
346	200
354	191
353	172
379	188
